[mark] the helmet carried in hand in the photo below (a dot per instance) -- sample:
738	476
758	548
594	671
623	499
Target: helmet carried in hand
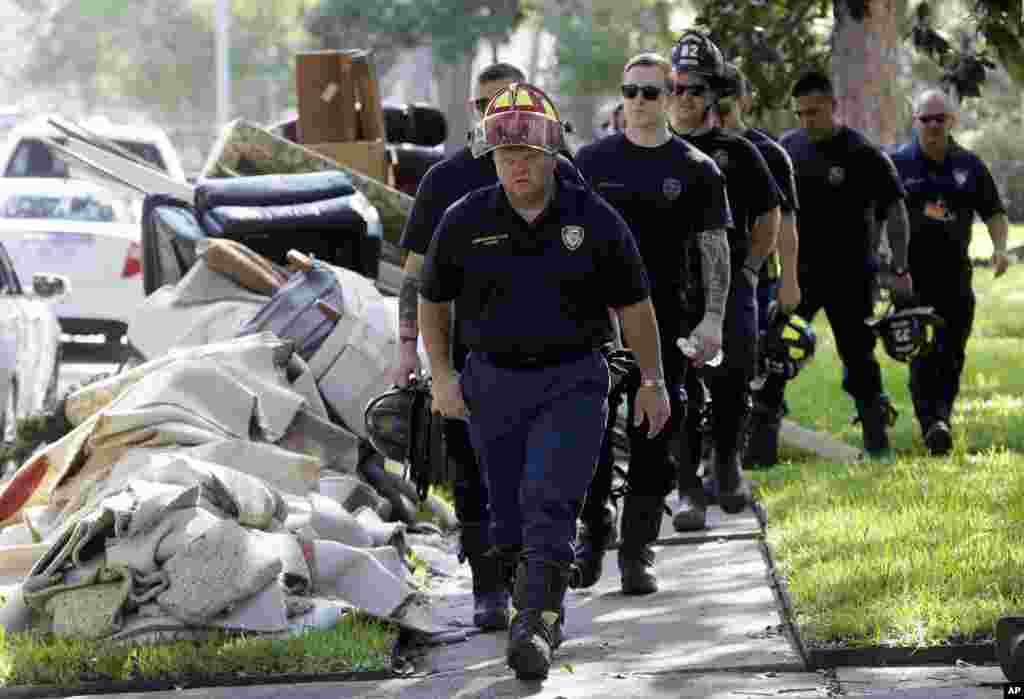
519	115
401	425
789	343
907	333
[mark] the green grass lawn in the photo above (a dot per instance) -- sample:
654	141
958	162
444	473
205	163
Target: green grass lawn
927	550
357	643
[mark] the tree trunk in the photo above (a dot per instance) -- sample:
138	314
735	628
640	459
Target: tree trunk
865	65
454	82
581	111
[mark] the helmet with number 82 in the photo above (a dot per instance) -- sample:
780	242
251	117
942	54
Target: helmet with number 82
696	53
519	115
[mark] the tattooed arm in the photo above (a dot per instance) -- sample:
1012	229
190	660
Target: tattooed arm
714	251
408	361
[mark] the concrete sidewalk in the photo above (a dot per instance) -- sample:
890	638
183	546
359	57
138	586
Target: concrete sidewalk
713	630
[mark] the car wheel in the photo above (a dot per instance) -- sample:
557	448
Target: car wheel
9	428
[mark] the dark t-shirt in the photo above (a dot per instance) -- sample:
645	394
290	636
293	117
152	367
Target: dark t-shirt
780	166
443	185
785	179
843	182
666	194
751	187
537	288
942	199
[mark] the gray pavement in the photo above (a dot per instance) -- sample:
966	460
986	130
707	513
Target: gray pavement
714	630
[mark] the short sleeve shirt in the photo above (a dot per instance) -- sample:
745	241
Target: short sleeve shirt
780	166
842	182
666	194
533	288
751	187
445	183
942	199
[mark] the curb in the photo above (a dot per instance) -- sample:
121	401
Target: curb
137	686
881	656
872	656
781	592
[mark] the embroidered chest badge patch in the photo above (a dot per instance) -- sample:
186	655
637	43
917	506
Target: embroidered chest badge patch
836	175
721	158
671	188
960	176
572	237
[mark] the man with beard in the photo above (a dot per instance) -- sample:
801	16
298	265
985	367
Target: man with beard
848	188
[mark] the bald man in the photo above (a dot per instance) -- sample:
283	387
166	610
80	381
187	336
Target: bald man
946	186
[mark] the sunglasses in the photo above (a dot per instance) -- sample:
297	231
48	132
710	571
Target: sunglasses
650	92
926	119
695	90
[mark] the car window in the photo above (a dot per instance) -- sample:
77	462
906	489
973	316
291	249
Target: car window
146	151
9	283
67	207
33	158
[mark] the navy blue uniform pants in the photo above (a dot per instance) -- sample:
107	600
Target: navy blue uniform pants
729	384
935	378
537	433
848	300
468	490
767	291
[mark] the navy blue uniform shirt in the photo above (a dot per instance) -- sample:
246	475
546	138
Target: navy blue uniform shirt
667	195
780	166
843	181
444	184
785	180
942	199
749	182
540	288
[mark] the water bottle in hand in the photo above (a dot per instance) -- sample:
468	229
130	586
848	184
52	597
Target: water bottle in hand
690	349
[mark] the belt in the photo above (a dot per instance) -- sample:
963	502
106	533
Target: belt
520	360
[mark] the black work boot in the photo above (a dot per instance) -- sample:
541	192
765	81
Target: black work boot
763	437
538	617
733	491
691	516
490	585
876	416
939	438
593	540
641	522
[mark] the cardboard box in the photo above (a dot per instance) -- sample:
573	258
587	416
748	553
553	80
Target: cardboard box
338	97
368	157
326	95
